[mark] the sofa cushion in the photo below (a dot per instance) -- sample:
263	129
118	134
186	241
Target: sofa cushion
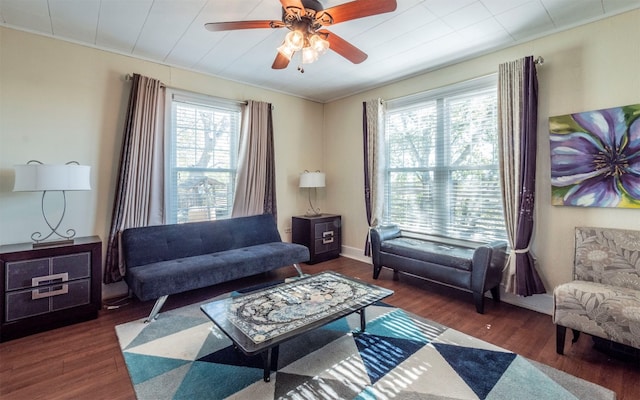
600	310
175	276
169	242
437	253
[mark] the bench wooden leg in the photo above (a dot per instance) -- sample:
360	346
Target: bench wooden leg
156	309
478	299
495	293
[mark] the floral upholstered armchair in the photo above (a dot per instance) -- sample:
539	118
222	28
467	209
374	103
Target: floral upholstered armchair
603	300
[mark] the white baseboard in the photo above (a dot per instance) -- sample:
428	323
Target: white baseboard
542	303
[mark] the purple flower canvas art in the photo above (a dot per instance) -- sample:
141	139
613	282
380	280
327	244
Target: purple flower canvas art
595	158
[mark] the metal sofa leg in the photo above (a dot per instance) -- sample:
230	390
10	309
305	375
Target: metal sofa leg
297	267
156	309
561	333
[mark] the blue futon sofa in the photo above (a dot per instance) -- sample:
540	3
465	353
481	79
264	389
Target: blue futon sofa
167	259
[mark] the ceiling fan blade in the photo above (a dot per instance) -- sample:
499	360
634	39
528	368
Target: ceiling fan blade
233	25
290	5
280	62
344	48
355	9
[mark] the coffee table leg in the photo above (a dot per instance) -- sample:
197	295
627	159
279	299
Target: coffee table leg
363	322
270	359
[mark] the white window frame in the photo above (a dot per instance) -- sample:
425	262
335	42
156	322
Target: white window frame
172	170
445	229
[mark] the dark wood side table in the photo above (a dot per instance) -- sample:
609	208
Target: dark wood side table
322	234
48	287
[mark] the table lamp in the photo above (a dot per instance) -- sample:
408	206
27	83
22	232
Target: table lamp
312	180
35	176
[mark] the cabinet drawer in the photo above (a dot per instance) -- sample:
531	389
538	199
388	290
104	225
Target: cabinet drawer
20	274
328	243
324	229
30	302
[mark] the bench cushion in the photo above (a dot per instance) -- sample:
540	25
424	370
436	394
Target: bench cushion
599	309
154	280
451	256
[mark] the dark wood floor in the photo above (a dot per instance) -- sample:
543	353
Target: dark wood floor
83	361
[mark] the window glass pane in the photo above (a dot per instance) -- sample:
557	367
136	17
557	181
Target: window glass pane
414	133
441	172
203	195
203	151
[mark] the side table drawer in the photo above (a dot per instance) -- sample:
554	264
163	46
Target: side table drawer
328	243
27	303
20	274
324	229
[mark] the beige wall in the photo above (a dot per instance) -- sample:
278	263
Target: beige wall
586	68
60	101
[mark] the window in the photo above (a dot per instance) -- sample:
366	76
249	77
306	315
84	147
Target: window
441	163
202	148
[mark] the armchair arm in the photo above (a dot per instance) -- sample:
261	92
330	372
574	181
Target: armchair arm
488	264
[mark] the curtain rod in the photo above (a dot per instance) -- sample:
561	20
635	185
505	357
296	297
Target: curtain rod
539	60
129	77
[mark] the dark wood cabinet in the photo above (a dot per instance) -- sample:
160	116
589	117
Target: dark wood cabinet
48	287
322	234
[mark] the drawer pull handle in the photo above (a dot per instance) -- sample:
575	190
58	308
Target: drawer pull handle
327	241
47	279
36	294
327	233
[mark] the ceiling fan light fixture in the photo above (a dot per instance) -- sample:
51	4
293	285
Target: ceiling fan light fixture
306	21
309	55
286	51
319	44
295	40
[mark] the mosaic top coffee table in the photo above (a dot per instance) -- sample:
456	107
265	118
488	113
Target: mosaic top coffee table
259	321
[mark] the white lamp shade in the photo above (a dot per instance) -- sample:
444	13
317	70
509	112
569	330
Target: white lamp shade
312	179
41	177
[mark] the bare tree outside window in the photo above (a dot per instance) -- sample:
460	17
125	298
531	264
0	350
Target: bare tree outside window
442	166
203	160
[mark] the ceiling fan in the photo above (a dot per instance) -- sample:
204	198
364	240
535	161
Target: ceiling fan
305	20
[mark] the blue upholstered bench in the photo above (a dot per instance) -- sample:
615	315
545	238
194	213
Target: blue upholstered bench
163	260
476	269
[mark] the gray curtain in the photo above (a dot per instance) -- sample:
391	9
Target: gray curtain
372	131
517	138
139	198
256	182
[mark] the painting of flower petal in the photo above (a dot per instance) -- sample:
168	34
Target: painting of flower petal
595	158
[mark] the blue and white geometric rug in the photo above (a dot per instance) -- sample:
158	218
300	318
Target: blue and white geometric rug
182	355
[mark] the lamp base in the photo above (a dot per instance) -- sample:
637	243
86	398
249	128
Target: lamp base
39	241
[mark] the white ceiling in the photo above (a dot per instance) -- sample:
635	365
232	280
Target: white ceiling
420	35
